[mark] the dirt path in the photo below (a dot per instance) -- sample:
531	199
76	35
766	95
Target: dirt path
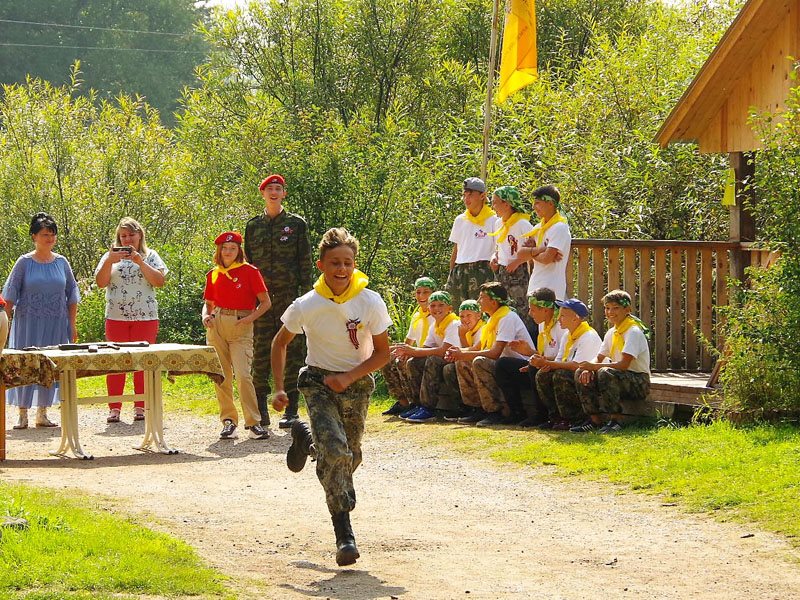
428	526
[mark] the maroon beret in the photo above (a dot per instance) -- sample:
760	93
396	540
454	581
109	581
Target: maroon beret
272	179
229	236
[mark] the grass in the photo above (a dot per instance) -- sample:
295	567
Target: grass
734	472
72	549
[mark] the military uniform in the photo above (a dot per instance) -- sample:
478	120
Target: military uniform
465	280
558	392
516	285
439	386
603	393
281	250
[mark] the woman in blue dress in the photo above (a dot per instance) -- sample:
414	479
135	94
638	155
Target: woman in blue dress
41	295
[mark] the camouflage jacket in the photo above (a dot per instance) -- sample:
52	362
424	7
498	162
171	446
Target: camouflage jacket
281	250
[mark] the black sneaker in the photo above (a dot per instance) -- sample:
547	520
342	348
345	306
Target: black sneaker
455	415
495	418
585	427
286	421
228	430
394	410
612	426
472	418
257	432
545	426
537	422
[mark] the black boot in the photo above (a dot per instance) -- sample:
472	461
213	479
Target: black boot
290	414
302	447
261	399
346	551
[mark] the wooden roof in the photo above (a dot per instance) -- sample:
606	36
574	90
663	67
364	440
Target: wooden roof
748	68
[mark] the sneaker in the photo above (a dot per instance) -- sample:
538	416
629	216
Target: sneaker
423	415
228	429
286	421
611	427
455	415
561	425
585	427
537	422
394	410
495	418
257	432
472	418
409	411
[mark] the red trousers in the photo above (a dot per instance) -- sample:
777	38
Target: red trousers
128	331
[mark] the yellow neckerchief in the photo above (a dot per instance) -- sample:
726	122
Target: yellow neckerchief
507	225
480	219
470	335
573	337
220	270
546	335
439	328
542	227
489	335
421	315
618	339
357	283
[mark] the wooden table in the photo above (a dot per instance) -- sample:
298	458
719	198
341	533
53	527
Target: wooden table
45	367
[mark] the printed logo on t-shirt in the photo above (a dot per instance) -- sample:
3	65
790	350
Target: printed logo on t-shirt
512	241
352	331
480	234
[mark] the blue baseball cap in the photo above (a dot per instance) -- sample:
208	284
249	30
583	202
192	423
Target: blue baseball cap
575	305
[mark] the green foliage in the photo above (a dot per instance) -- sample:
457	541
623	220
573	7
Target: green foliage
69	548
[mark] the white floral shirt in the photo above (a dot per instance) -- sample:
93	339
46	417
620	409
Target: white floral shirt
129	297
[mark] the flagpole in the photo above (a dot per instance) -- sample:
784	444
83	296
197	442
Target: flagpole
487	113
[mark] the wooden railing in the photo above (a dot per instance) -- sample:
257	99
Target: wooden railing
676	286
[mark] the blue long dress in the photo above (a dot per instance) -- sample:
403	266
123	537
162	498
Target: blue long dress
41	293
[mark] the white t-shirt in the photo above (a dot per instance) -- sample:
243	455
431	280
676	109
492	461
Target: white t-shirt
474	242
585	348
635	345
551	350
338	336
415	330
129	297
512	328
508	247
450	336
554	274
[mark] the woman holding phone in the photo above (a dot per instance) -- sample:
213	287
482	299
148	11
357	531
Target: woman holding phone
130	272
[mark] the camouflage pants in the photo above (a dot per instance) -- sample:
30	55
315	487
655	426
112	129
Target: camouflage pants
478	385
439	389
337	426
603	393
397	384
264	329
558	392
516	285
465	279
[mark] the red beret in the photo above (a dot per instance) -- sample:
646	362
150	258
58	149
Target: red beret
272	179
229	236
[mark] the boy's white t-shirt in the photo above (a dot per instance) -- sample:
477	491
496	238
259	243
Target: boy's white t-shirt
473	241
338	336
585	348
512	328
551	350
635	345
509	246
554	274
450	336
415	330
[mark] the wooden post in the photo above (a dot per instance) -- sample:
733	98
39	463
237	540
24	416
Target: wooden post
742	224
487	114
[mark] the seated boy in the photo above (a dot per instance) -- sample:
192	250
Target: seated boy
516	378
395	374
621	369
425	364
475	366
555	378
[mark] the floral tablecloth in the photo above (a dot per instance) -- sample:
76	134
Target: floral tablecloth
19	367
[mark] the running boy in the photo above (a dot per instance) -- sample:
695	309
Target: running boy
345	326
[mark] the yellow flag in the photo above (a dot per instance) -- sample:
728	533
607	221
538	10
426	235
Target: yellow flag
729	199
518	61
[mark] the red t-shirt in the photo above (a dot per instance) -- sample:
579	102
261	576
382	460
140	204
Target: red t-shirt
240	292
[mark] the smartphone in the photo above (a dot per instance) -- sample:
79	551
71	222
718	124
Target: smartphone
128	249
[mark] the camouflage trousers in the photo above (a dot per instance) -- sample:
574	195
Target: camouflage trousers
439	389
464	281
264	329
608	387
516	285
337	426
478	385
558	392
404	378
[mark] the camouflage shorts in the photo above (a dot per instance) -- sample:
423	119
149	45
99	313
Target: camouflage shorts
464	281
337	426
607	389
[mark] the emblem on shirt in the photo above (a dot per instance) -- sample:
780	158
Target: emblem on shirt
352	331
285	233
512	241
480	234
